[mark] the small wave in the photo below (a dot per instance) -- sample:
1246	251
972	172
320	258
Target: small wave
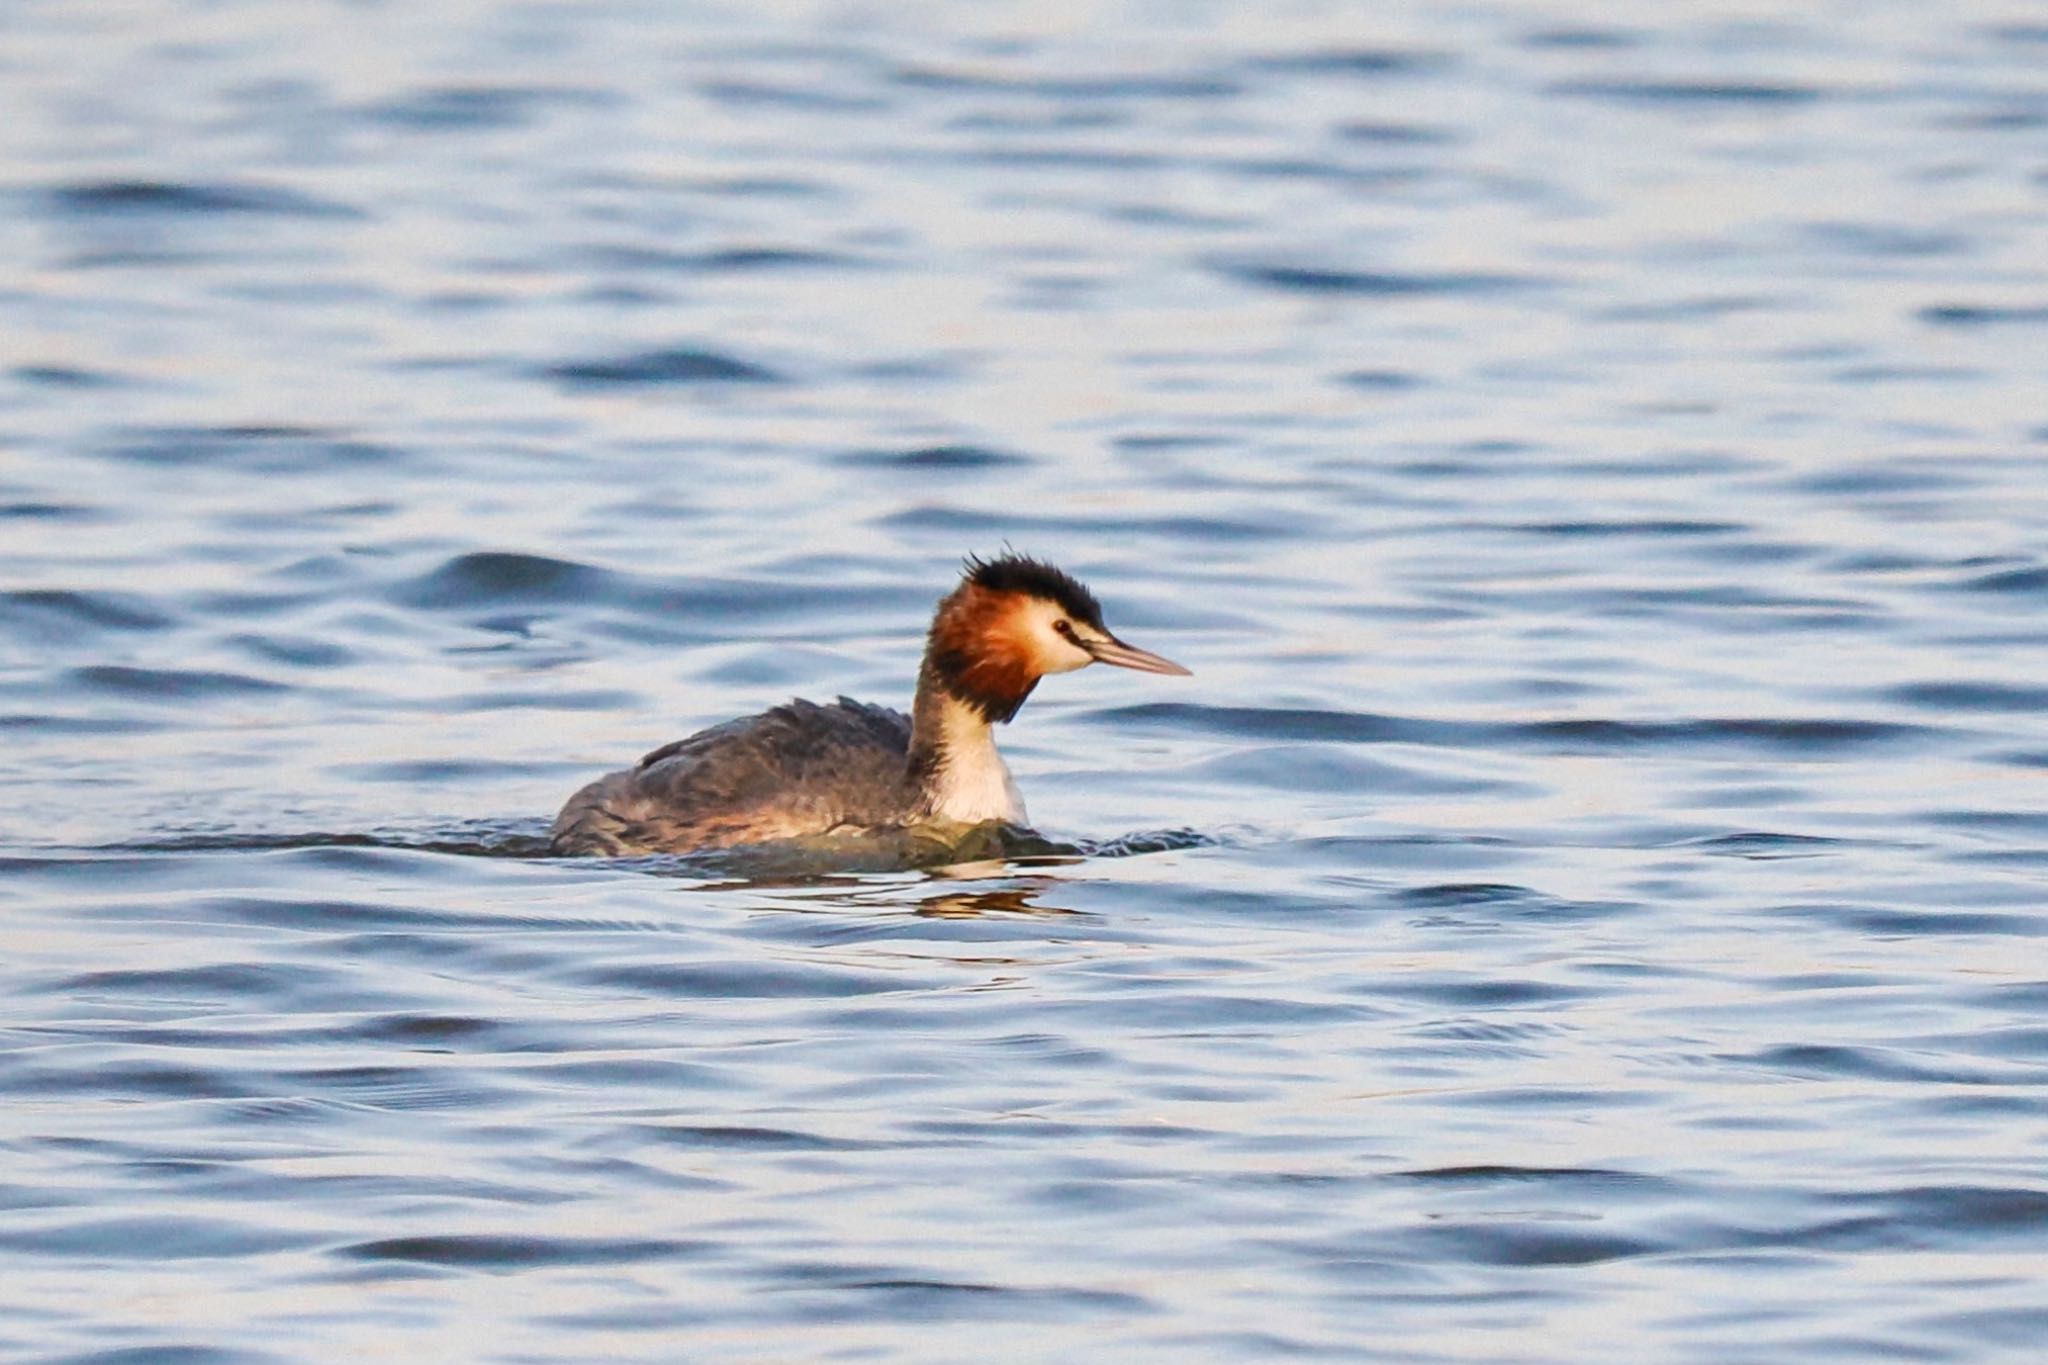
1741	734
2031	581
103	198
723	261
474	1250
492	577
467	108
62	614
68	377
1122	85
481	840
256	448
167	684
1983	314
1353	61
1295	279
1690	94
670	365
926	458
1972	696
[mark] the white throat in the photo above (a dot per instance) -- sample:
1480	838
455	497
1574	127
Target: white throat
972	783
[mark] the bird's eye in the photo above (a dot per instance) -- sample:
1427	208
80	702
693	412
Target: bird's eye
1064	627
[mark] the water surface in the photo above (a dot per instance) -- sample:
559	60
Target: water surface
1590	896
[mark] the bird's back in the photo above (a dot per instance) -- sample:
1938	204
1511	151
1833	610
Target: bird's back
799	769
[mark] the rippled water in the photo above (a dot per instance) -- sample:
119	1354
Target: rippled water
1587	905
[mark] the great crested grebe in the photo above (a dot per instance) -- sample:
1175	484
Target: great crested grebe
803	769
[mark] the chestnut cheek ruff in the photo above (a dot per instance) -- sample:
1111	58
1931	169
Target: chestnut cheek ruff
978	654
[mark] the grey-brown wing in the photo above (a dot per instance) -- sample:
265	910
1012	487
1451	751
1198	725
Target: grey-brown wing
795	770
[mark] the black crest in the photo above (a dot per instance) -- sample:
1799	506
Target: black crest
1017	573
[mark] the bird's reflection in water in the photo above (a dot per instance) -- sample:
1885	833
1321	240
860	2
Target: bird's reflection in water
1019	897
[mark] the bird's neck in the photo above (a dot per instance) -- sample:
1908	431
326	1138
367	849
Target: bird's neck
954	764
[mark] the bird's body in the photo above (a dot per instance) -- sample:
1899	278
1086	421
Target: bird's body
801	769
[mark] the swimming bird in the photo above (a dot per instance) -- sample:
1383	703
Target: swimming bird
802	769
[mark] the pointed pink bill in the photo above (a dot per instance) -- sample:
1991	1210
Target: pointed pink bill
1115	651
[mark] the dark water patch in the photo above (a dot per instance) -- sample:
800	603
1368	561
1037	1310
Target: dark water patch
131	1080
664	366
214	983
168	1353
295	651
1976	1217
1731	734
917	1299
1884	240
68	377
751	1138
1694	307
62	614
1989	697
483	839
481	108
495	578
1576	38
402	1089
1466	994
49	511
478	1251
516	699
153	1238
2019	1330
1878	921
1735	734
1763	845
1363	178
1673	527
1906	374
937	458
1493	902
1529	1242
1362	62
1384	284
1267	722
617	1075
1820	1061
2028	822
1879	478
1593	1179
977	524
1388	134
134	198
167	684
1381	381
734	980
1983	314
437	1031
2017	118
777	95
430	772
251	448
1461	894
1065	157
1684	95
1121	86
1315	767
724	261
2030	581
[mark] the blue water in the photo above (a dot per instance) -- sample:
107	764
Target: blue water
1589	903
